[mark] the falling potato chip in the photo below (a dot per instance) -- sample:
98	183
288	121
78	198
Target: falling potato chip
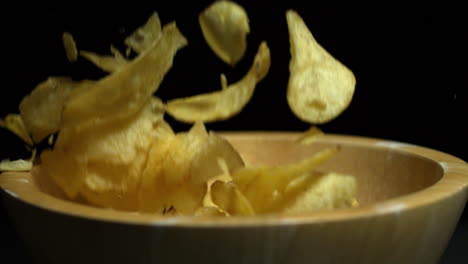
310	136
225	103
320	87
14	123
140	40
105	161
70	47
225	26
125	91
114	149
41	111
145	36
106	63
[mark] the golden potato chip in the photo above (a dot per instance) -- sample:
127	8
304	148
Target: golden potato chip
227	196
310	136
124	92
204	164
152	187
179	167
15	124
15	165
41	111
225	26
267	188
106	63
167	177
328	191
209	211
224	177
65	170
223	104
107	160
143	37
319	87
224	84
70	47
140	40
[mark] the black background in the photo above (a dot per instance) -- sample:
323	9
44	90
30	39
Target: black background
409	62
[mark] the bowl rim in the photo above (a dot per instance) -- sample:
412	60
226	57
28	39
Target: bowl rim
454	181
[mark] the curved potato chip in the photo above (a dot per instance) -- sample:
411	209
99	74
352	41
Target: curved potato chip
268	188
143	37
178	168
229	199
319	87
329	191
106	160
310	136
223	104
168	180
15	124
41	111
140	40
207	199
15	165
106	63
225	26
124	92
70	47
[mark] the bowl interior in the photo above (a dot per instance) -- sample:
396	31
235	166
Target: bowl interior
383	170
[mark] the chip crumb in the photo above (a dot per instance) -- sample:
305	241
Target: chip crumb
70	47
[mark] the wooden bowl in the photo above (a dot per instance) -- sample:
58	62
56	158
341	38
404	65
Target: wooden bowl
411	199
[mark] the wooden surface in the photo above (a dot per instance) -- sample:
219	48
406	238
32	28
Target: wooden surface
411	199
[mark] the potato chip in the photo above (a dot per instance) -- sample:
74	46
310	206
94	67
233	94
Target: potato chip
152	181
70	47
41	111
225	26
15	165
179	167
106	63
205	163
176	185
140	40
66	171
209	212
227	196
223	104
15	124
267	188
328	191
106	159
310	136
207	199
320	87
143	37
124	92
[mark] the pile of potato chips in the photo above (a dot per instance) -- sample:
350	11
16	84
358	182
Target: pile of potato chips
114	149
